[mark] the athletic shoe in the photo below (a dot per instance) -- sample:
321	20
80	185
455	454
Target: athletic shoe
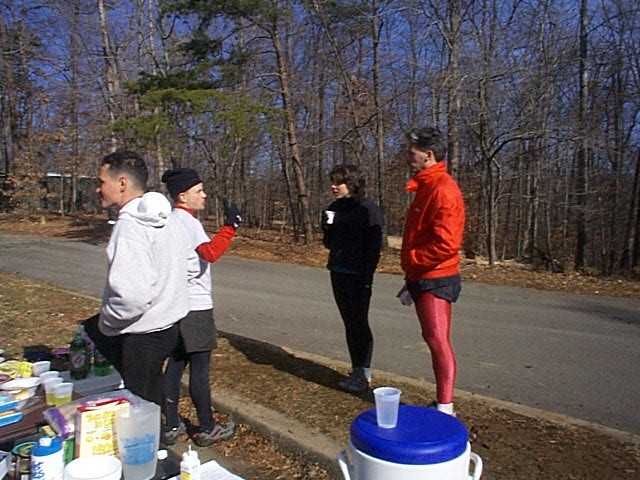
220	432
356	382
434	405
170	436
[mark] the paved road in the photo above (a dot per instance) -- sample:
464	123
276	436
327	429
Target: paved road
570	354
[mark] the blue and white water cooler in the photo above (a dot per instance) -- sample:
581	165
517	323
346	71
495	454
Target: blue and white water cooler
425	445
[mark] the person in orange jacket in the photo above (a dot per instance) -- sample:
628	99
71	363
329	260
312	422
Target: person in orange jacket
430	256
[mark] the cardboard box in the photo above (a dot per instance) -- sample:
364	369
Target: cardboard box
95	427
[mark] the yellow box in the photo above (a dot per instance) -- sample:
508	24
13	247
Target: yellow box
95	427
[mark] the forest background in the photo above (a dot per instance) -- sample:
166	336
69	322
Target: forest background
540	100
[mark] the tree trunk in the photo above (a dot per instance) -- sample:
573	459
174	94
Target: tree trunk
284	156
7	101
111	74
292	138
320	120
74	48
161	165
519	193
633	230
376	24
618	158
453	97
534	201
347	83
581	160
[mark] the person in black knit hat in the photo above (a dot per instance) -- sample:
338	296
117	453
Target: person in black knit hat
180	180
197	329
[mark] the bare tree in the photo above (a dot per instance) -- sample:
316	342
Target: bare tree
7	99
583	147
111	71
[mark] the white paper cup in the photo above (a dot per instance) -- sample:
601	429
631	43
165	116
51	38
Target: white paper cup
387	405
38	368
330	216
62	393
95	467
49	389
49	374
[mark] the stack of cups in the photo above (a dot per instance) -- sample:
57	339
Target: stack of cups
38	368
62	393
47	375
49	386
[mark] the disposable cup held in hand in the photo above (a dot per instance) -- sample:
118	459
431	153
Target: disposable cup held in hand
387	405
330	216
49	386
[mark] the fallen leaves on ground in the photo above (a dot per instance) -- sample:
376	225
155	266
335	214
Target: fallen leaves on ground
512	446
34	314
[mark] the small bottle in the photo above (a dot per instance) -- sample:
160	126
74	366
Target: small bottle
190	465
90	348
101	366
78	358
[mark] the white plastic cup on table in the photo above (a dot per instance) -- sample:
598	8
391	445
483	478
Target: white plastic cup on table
49	386
48	374
138	433
94	467
62	393
387	405
38	368
330	216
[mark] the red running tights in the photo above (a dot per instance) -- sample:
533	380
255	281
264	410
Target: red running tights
434	315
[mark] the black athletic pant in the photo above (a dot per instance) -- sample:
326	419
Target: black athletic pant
199	388
138	357
352	293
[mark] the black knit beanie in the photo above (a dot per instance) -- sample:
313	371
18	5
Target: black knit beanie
180	180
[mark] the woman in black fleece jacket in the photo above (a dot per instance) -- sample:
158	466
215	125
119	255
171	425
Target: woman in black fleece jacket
352	229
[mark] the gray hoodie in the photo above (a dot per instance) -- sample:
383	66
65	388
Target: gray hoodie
146	288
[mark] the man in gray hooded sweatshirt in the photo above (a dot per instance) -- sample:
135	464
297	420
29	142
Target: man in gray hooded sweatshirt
146	292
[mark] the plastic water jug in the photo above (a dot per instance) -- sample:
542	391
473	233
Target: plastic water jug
425	445
138	433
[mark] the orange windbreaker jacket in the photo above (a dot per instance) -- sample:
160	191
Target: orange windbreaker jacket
434	225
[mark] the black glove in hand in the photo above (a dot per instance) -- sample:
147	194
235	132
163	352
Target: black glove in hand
232	216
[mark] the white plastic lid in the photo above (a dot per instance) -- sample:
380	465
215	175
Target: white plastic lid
45	441
162	454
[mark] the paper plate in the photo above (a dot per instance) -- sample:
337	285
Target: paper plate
20	383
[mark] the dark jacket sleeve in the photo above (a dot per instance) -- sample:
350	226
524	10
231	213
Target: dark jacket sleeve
326	228
373	245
